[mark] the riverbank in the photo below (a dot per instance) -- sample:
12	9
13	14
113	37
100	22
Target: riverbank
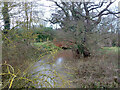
93	72
61	67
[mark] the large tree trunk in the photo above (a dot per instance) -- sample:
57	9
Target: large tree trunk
86	52
80	49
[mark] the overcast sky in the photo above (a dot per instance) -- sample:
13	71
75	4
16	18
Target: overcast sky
48	4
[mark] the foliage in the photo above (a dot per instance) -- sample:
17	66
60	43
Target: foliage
44	33
17	78
16	48
21	57
46	45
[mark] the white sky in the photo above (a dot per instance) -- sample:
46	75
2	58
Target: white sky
48	3
47	10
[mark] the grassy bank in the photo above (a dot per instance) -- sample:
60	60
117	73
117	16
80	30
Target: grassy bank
111	49
45	45
97	71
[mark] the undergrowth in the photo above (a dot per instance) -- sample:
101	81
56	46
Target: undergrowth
19	58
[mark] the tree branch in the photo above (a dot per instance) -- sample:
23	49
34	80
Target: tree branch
100	14
62	9
97	6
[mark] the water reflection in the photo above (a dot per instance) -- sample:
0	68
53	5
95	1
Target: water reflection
45	71
59	61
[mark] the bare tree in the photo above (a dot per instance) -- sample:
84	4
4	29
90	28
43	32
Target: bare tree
81	18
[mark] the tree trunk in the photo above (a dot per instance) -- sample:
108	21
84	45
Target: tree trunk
79	50
6	17
85	50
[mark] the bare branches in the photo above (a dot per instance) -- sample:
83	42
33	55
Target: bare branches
85	11
95	6
101	13
113	13
67	15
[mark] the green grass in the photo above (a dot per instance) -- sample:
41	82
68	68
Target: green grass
113	49
46	45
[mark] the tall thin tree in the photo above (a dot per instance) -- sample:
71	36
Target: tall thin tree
6	17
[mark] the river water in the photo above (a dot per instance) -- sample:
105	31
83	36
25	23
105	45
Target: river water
50	73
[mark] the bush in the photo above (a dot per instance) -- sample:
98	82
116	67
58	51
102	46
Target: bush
44	34
18	59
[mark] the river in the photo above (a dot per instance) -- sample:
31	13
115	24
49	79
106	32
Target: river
51	72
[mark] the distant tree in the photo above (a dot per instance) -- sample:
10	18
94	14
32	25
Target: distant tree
108	31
